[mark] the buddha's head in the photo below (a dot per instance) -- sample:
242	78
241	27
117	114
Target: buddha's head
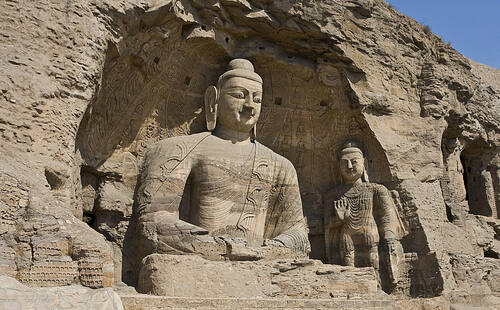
236	101
352	162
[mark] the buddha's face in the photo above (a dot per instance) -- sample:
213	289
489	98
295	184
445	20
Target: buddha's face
351	166
239	104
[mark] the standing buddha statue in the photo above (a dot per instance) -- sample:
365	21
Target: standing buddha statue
361	219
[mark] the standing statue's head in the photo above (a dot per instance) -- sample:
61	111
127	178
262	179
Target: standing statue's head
236	101
352	163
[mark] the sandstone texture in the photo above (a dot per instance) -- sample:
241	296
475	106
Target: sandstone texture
145	302
193	276
87	86
16	296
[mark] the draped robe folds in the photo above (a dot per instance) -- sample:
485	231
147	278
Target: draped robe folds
373	217
198	186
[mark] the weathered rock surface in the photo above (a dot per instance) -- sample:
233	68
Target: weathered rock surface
88	85
42	243
145	302
193	276
16	296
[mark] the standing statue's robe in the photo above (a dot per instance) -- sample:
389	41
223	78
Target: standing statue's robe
196	186
373	216
371	225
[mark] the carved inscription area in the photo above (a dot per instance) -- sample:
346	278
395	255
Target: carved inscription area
50	273
91	273
47	250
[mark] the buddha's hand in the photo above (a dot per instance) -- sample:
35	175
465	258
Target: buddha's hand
341	208
390	238
209	247
238	249
273	242
276	249
393	257
184	237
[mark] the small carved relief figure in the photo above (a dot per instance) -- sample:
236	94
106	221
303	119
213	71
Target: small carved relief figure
200	192
361	219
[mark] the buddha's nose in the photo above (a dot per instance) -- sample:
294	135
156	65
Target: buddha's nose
249	101
249	104
349	164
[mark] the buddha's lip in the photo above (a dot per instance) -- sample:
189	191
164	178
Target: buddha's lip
247	110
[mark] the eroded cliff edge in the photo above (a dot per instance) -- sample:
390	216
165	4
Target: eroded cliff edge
88	85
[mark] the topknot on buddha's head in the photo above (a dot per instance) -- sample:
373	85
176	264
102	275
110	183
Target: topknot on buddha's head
240	68
240	63
351	146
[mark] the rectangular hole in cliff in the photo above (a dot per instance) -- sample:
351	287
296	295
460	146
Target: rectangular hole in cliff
54	178
90	186
278	100
476	186
465	176
490	253
187	80
449	215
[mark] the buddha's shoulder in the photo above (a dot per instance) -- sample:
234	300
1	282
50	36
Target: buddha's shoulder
375	188
179	145
181	140
379	189
341	190
335	193
266	153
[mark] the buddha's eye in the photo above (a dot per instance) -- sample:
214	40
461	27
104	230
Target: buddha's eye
257	99
238	95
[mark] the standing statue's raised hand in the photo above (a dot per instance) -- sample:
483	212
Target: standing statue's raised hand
341	208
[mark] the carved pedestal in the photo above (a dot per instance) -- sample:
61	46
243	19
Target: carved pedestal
193	276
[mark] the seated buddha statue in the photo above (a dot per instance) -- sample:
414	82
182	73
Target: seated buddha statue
204	192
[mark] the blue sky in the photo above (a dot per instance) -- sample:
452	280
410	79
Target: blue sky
471	26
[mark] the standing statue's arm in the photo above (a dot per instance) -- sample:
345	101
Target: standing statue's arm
385	215
390	230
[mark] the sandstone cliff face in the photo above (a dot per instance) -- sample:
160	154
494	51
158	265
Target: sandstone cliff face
88	85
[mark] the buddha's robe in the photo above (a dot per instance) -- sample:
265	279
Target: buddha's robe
372	217
198	186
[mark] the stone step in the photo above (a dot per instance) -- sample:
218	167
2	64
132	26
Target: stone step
148	302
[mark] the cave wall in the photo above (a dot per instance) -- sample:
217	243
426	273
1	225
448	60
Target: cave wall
89	85
152	88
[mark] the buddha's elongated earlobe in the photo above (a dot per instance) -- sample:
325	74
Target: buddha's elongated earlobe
211	107
365	171
253	133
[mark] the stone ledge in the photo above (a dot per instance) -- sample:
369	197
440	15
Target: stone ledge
148	302
193	276
17	296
